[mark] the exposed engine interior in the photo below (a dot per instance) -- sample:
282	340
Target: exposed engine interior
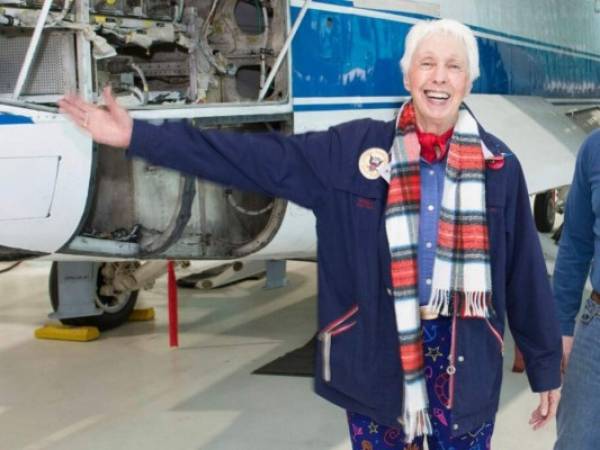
158	55
152	52
167	213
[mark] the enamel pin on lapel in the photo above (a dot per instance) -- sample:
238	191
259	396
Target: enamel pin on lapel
371	160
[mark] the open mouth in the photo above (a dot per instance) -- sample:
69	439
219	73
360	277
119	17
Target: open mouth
437	95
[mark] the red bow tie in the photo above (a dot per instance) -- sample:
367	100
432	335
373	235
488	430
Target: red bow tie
433	146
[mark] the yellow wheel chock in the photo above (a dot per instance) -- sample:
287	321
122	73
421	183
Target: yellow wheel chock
67	333
141	315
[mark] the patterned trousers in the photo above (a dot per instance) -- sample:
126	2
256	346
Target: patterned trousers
366	434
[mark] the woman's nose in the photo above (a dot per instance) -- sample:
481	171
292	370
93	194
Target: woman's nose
440	74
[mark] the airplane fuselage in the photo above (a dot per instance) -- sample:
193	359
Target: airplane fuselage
343	65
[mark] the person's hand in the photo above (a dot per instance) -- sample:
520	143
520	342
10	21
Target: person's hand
567	342
110	125
546	410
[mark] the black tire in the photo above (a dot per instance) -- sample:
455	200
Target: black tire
105	321
557	234
544	211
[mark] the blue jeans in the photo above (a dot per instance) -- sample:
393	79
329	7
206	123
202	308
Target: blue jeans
579	408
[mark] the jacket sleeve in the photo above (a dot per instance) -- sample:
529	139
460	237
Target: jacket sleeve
576	247
296	167
530	306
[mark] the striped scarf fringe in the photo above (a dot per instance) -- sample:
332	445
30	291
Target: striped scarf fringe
468	304
461	280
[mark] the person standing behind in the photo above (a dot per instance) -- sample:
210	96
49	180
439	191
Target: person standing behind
579	249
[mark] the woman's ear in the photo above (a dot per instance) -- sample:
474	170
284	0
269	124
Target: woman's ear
469	87
406	81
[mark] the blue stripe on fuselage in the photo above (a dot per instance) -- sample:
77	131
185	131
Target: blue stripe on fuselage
342	55
476	28
12	119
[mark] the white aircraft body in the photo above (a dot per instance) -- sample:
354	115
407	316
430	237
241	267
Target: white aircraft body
252	65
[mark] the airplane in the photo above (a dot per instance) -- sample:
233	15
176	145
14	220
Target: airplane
252	65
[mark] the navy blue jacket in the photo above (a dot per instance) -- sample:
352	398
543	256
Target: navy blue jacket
359	367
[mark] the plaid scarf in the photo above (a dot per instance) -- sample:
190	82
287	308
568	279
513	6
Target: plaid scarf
461	273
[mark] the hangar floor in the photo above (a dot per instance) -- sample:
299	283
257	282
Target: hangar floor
128	390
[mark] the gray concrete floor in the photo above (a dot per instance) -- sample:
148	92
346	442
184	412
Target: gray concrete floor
129	390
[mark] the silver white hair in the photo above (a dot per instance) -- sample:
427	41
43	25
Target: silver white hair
424	29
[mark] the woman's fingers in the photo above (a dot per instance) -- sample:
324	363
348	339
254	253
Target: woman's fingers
76	114
80	111
109	125
78	102
546	410
537	420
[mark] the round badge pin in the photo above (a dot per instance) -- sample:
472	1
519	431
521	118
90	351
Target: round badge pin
370	160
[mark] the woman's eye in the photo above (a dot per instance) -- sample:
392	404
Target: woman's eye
426	64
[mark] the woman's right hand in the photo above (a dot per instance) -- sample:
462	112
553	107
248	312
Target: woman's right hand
110	125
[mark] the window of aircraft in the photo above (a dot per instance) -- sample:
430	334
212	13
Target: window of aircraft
153	52
251	16
248	82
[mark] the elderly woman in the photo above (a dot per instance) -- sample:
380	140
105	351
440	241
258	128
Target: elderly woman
426	244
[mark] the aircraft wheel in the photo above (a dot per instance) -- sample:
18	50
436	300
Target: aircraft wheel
117	308
544	211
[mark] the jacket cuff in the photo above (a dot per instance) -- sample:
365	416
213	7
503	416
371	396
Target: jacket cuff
545	376
143	138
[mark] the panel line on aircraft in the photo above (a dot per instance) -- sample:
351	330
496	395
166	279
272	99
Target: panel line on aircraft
346	106
348	100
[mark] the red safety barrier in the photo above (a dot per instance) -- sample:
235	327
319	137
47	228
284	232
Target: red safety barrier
173	319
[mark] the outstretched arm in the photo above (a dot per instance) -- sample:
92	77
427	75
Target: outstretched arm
300	168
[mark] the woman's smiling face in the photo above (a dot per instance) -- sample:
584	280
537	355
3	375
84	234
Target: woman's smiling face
438	81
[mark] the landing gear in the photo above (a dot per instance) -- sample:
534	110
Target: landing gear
544	210
78	294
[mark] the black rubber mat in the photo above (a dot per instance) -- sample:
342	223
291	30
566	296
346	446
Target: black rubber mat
297	363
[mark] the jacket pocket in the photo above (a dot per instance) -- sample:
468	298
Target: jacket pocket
337	327
479	368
